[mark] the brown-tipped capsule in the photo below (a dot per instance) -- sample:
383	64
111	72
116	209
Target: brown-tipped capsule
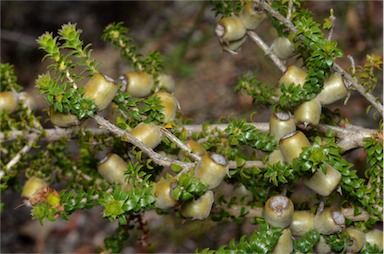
324	184
62	119
230	29
304	195
302	222
322	247
251	15
282	48
357	240
112	168
280	124
148	133
8	102
275	156
291	145
32	186
329	221
163	193
285	244
101	89
212	169
166	82
198	209
333	90
234	46
169	103
307	114
278	211
375	237
139	84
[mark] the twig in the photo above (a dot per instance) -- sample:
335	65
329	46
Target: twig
350	136
18	156
254	37
348	79
124	135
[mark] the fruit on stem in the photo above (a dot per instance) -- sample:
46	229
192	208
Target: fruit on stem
166	82
280	124
169	103
375	237
251	15
212	169
291	145
285	244
282	48
62	119
8	102
329	221
195	148
230	29
357	240
324	184
234	46
278	211
198	209
293	75
275	156
101	89
138	83
148	133
307	114
28	100
333	90
163	193
302	222
322	247
112	168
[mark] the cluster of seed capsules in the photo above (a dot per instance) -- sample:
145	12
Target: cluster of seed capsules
286	128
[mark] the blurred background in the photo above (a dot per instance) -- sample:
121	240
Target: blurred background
183	31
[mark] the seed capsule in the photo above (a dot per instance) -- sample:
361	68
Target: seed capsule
280	124
198	209
291	145
293	75
307	114
195	148
324	184
278	211
150	134
242	193
139	84
251	15
329	221
8	102
163	193
62	119
333	90
101	89
357	240
230	29
234	46
322	247
375	237
31	186
282	48
112	168
166	82
212	169
285	244
275	156
169	103
302	222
